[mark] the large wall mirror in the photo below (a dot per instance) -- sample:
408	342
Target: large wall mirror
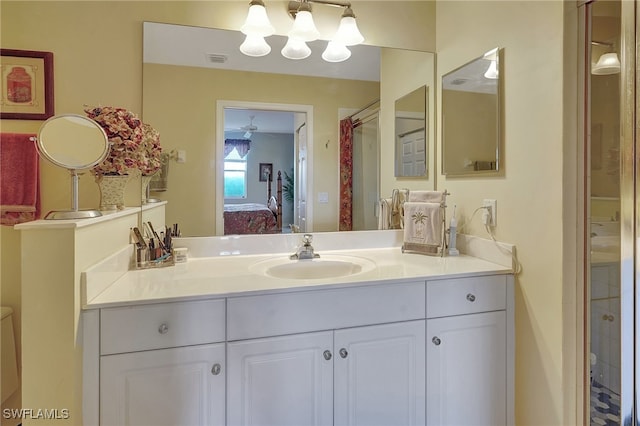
411	155
199	92
471	125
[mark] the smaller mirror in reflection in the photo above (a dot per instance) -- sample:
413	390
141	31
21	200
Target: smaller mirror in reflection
471	117
410	130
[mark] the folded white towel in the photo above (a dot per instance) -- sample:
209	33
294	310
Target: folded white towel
426	196
384	213
423	227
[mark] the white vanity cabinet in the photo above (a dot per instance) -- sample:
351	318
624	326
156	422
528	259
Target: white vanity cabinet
160	364
438	352
351	373
469	352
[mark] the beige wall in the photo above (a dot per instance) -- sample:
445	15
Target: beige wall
97	48
471	132
184	113
532	200
97	53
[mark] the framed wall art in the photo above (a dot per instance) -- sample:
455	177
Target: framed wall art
266	172
26	84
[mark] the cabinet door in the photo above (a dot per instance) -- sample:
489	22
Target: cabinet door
281	381
179	386
380	375
466	370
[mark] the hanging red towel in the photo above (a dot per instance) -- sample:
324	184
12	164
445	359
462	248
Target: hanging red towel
19	179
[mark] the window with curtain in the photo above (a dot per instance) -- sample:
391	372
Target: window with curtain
235	168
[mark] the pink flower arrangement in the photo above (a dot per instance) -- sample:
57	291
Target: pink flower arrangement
134	144
151	151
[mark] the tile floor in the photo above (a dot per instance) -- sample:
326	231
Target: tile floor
605	406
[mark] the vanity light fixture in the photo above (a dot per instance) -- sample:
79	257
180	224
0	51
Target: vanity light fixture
608	63
257	27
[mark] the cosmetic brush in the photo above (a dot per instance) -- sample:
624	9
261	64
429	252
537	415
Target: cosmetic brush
156	235
140	240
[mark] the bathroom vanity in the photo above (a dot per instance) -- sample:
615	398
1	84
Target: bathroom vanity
404	340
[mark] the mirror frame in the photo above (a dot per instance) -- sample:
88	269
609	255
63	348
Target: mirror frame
496	53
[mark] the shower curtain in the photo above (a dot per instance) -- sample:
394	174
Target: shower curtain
346	175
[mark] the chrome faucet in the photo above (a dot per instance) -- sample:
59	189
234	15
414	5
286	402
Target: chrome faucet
305	251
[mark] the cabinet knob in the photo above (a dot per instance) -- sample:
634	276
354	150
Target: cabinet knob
163	329
606	317
216	369
327	355
343	353
471	297
436	341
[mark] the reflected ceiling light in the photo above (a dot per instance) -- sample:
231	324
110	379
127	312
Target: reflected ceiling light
255	46
257	26
336	52
608	63
257	22
295	49
492	71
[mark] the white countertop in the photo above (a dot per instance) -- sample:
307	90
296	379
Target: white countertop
223	276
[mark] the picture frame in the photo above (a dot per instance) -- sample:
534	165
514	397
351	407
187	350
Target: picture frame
26	85
266	172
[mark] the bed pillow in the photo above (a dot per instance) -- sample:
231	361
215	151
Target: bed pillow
273	205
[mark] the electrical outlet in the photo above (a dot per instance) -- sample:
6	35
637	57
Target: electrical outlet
490	214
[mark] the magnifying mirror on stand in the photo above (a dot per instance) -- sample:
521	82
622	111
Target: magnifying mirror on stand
76	143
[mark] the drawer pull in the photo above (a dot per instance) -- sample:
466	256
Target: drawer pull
216	369
436	341
327	355
163	329
343	353
471	297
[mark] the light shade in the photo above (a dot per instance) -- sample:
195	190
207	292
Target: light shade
295	49
303	26
336	52
348	33
257	22
492	71
607	64
255	46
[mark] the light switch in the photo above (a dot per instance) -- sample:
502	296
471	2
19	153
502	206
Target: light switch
182	156
323	197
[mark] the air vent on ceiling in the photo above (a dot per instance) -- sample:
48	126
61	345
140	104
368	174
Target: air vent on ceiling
216	58
458	81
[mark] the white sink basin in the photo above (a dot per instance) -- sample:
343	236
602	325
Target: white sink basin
323	267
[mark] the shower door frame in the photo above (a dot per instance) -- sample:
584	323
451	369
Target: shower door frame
629	211
630	224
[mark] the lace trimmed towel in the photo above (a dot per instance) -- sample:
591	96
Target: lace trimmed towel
423	227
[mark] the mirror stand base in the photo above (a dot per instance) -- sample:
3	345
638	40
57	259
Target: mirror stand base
72	214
